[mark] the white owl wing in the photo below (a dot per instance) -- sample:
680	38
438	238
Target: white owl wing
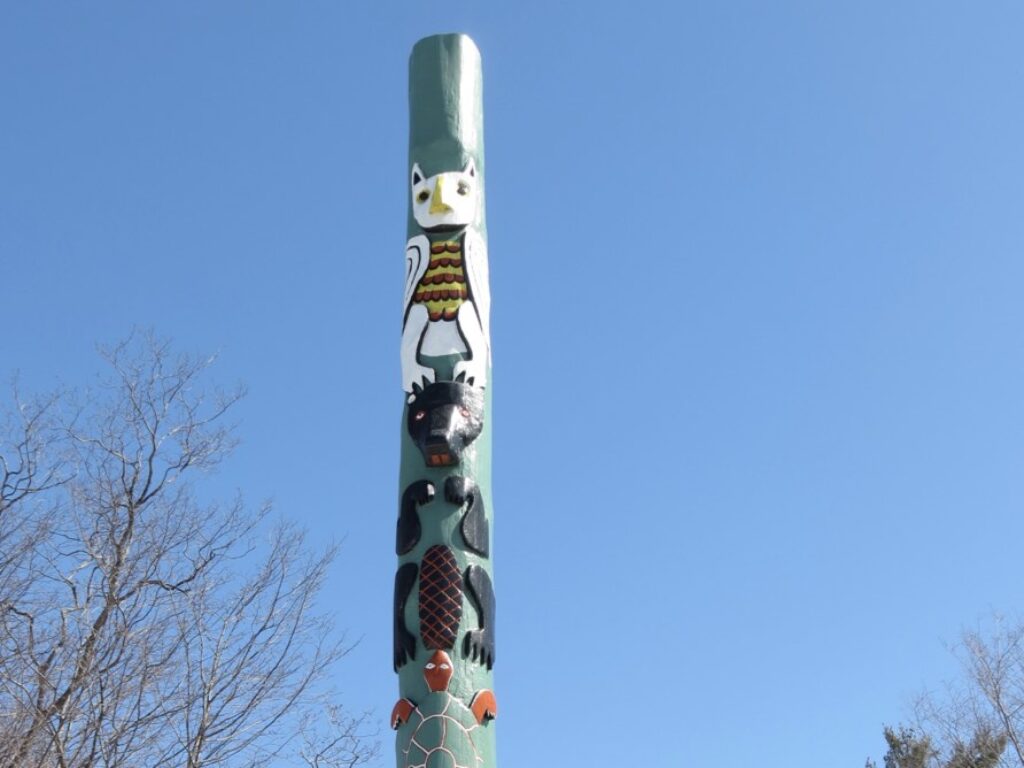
417	259
477	271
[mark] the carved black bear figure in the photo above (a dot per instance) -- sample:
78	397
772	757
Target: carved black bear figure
443	419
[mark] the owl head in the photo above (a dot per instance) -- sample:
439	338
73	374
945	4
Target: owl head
446	200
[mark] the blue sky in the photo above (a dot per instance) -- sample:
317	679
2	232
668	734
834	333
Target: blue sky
758	413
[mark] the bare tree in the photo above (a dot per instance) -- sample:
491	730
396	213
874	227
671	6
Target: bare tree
977	720
27	470
141	626
338	740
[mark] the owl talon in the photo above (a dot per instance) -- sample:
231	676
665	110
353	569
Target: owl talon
469	372
419	379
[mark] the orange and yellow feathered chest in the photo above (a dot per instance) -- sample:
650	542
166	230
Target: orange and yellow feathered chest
442	289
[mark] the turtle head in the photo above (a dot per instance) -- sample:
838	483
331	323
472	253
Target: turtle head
438	671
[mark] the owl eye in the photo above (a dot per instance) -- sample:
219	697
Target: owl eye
423	196
430	665
463	188
419	415
445	666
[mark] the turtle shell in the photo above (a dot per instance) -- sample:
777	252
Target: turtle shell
440	734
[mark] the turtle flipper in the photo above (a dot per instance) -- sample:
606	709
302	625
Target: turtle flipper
479	643
475	531
400	714
404	640
409	528
484	706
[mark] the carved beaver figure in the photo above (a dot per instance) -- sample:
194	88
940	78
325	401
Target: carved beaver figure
443	420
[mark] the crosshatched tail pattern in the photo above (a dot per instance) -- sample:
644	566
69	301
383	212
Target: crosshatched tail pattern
440	598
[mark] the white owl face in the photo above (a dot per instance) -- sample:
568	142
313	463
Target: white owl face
447	200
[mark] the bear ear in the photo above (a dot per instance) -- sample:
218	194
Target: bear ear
417	175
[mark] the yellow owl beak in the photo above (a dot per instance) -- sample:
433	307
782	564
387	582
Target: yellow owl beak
437	203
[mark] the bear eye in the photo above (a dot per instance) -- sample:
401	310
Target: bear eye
464	411
463	188
423	196
419	415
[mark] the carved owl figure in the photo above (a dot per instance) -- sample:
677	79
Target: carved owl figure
445	201
447	296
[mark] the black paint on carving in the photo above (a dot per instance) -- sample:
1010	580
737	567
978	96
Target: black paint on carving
479	643
475	530
440	598
405	641
409	528
443	419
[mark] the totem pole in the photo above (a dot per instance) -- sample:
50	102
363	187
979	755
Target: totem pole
444	598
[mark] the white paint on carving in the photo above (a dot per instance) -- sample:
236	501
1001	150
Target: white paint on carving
468	334
449	199
442	338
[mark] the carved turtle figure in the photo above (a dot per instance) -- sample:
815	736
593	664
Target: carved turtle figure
441	732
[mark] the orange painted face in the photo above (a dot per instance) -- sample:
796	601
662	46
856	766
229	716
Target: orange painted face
438	671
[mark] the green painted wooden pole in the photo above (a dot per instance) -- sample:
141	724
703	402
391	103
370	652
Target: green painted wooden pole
444	595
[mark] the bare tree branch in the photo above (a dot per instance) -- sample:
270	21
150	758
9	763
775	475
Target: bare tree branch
138	626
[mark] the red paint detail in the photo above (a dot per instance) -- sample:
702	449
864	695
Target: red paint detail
484	706
401	712
439	675
440	600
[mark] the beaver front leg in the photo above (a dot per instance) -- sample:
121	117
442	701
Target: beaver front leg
409	528
475	530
